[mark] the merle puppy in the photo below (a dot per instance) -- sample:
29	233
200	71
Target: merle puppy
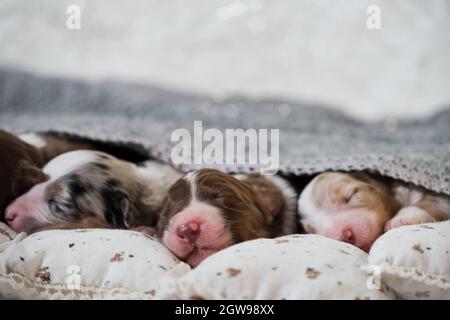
88	189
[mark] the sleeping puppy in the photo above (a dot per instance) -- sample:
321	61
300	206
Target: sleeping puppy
20	168
89	189
358	208
22	158
208	210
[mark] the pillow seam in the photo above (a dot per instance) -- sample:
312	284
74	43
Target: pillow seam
440	281
29	286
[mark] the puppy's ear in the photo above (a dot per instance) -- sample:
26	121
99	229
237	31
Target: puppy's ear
28	176
126	211
119	209
271	203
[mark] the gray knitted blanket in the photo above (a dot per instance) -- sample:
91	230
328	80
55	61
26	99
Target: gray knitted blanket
312	138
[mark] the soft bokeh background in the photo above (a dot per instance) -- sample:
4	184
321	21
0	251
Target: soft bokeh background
308	50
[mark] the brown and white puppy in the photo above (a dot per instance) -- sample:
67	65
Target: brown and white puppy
208	210
20	168
90	189
357	208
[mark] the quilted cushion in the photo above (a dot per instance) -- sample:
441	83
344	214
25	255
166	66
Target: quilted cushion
415	260
411	262
290	267
89	263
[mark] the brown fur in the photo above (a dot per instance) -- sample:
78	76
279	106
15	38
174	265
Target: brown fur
20	169
252	208
273	202
436	206
58	145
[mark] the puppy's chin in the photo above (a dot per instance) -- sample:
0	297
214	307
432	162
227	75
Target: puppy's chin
366	235
367	243
28	225
198	255
204	246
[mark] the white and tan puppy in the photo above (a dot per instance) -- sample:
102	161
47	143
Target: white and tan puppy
357	208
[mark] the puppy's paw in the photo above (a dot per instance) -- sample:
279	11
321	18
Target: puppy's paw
144	229
408	216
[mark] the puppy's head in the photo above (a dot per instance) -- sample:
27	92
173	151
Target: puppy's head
350	207
86	189
208	210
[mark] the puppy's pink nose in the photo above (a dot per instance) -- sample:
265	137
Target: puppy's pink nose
347	236
10	214
188	232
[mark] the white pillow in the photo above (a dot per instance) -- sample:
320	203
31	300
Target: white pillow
290	267
415	260
105	263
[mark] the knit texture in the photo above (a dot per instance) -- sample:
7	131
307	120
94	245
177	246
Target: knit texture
312	138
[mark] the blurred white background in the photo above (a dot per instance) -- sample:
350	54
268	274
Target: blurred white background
317	51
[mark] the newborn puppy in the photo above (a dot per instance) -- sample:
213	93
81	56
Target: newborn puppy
208	210
20	168
90	189
358	208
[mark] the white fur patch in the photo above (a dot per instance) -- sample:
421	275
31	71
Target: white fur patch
240	176
308	211
290	196
214	213
69	161
306	207
191	179
407	196
33	139
157	171
158	177
415	214
409	216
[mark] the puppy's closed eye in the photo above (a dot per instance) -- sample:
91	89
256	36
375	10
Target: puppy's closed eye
359	195
351	196
55	208
218	199
63	209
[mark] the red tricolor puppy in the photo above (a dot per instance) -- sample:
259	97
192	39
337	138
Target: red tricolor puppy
20	168
357	208
208	210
